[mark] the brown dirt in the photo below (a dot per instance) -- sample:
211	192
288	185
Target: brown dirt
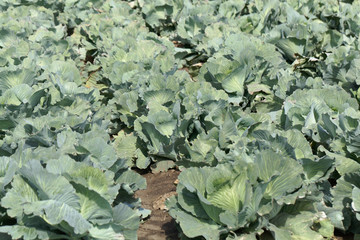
160	226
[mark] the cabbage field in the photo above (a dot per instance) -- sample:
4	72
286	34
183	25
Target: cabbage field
256	102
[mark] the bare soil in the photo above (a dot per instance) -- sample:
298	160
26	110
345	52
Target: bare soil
159	226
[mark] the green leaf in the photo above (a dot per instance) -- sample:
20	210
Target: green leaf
298	226
54	212
20	194
162	166
9	80
298	141
92	178
8	168
234	82
103	155
163	122
28	233
356	201
242	237
190	202
230	196
48	185
17	95
126	217
158	97
315	170
93	207
192	226
324	227
125	146
269	164
278	233
290	46
149	133
104	232
65	72
342	199
343	164
132	180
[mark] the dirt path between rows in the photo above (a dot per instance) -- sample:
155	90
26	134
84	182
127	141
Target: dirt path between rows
160	226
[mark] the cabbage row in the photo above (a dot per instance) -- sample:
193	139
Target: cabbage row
257	102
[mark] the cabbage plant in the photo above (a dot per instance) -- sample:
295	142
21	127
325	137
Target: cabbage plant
268	198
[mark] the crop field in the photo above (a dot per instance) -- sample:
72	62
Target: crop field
180	119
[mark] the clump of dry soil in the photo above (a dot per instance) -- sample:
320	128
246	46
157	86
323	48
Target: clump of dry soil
160	226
